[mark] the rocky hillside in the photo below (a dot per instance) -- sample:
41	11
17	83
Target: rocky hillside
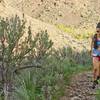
32	10
84	13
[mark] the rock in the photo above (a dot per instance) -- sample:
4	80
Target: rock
75	98
80	88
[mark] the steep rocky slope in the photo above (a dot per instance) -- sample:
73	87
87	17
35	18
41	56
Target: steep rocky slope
59	38
69	12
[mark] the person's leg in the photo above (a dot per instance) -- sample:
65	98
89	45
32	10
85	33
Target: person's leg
98	77
95	71
99	69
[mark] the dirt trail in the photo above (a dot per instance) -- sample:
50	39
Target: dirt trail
80	88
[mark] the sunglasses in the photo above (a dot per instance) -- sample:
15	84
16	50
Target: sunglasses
98	31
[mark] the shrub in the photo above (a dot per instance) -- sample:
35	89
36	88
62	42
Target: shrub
16	51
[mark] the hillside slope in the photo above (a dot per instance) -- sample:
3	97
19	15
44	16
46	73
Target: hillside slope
83	13
59	38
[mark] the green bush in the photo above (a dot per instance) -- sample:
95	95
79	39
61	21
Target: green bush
31	68
98	93
16	51
50	80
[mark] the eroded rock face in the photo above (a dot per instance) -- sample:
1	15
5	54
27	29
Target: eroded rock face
1	1
48	11
68	12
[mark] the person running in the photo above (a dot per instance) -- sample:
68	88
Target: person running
95	51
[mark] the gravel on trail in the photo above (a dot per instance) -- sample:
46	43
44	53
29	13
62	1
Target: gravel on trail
80	88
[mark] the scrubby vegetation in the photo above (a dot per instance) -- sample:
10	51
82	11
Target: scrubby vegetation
75	32
98	93
30	68
49	81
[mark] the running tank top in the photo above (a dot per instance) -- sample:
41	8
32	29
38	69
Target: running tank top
96	52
